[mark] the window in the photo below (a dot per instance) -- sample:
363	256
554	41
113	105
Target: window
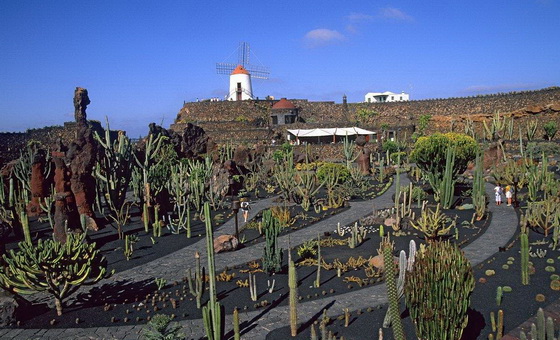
392	97
274	120
401	98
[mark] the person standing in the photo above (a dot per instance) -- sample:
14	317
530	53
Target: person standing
508	195
498	194
245	208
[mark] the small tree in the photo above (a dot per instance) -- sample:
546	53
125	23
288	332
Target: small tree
159	328
550	130
59	269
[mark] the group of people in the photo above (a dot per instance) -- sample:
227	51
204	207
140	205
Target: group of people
499	191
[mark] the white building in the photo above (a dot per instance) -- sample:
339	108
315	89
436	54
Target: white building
382	97
240	84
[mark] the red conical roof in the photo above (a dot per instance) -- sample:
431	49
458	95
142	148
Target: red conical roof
240	70
283	104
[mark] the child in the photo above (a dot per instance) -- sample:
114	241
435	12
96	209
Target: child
508	195
498	193
245	209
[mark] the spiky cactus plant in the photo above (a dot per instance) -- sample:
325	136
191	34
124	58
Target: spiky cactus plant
292	284
524	258
59	269
386	248
438	291
212	312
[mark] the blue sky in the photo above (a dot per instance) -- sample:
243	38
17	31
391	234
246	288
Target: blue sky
140	60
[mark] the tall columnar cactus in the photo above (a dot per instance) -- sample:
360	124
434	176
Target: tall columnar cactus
478	190
317	282
196	282
405	264
59	269
438	291
447	185
349	148
236	330
178	188
386	248
212	312
524	258
272	257
292	285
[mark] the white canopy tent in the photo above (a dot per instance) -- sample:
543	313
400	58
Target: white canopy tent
323	132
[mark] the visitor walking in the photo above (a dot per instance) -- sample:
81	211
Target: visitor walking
508	195
498	193
245	208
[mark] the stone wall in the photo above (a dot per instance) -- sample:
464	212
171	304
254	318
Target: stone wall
13	143
447	114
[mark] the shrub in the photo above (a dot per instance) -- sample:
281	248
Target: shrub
550	130
537	149
333	169
429	152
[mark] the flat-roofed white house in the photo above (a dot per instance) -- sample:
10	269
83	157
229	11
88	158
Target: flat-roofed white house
385	97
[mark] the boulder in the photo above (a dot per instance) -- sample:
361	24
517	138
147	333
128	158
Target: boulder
8	306
225	243
377	261
534	109
554	107
389	222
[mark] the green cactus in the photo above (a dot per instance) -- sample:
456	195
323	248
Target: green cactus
59	269
196	282
524	258
317	282
438	291
478	190
236	330
114	173
211	313
272	257
292	285
386	248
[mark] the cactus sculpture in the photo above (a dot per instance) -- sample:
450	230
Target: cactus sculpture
386	248
59	269
292	284
272	257
212	312
524	258
196	282
438	291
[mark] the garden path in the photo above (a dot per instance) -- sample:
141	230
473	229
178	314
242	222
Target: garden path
256	324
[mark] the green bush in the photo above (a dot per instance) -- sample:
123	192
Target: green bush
537	149
429	152
333	169
550	130
392	146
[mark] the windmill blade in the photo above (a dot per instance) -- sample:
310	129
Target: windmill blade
259	72
225	68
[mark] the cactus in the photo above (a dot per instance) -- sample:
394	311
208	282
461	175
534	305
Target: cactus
178	188
433	223
404	266
349	148
51	266
114	173
386	248
447	184
440	282
292	285
196	283
272	257
478	190
357	236
307	186
236	330
212	312
317	282
524	259
253	287
499	295
500	326
129	241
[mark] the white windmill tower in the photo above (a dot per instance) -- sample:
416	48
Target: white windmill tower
240	74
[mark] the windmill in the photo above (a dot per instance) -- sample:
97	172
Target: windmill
241	73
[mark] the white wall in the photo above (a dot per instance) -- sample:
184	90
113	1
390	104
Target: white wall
246	88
